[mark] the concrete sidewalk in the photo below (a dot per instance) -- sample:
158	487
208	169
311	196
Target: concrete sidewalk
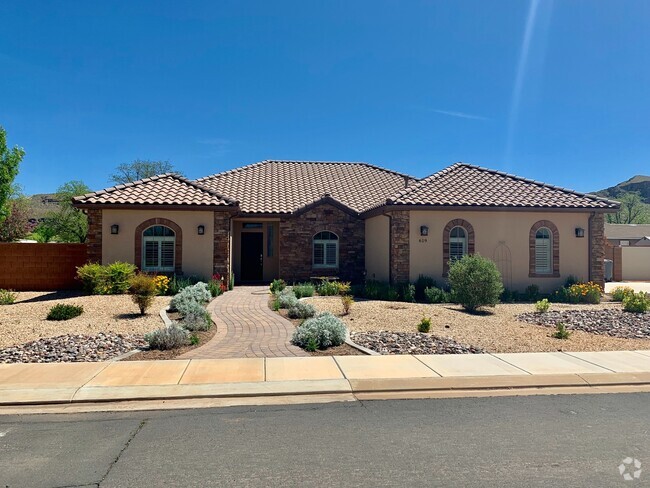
351	377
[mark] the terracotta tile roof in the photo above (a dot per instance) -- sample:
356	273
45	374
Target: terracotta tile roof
627	231
287	186
472	186
166	189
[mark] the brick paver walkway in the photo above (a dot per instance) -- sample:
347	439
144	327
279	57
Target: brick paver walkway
246	328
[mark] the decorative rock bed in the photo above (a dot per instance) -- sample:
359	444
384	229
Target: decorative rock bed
607	321
411	343
72	348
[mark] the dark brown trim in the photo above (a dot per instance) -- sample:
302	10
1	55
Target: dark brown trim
555	273
388	208
326	200
211	208
445	241
178	247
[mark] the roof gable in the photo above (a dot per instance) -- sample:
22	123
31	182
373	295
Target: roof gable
287	186
465	185
167	189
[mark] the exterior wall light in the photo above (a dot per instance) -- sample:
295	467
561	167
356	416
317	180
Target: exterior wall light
115	229
580	232
200	230
424	230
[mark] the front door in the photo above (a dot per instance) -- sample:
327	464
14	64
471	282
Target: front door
252	256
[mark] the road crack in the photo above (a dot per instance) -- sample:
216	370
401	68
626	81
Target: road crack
119	454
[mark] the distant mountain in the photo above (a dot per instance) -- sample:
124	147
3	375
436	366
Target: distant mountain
638	183
41	204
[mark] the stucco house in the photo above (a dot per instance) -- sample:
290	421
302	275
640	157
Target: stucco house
297	220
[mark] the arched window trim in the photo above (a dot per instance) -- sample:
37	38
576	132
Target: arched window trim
325	250
554	252
447	239
158	250
178	243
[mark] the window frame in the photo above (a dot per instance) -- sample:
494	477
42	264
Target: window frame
548	251
159	240
455	240
554	250
325	243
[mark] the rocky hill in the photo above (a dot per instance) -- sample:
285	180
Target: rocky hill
638	183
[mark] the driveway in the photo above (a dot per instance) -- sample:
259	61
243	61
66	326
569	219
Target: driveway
635	285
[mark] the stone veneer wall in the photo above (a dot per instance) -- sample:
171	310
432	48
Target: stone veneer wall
597	251
221	250
94	237
297	232
400	264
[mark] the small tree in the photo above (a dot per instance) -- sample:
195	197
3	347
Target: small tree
143	290
16	225
140	169
68	224
475	282
632	211
9	161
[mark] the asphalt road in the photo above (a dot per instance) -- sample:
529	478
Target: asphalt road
550	441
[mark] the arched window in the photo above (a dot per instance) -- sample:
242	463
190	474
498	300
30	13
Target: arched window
457	243
326	250
158	248
543	251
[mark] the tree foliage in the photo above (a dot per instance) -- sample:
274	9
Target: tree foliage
67	224
632	211
16	225
140	169
9	161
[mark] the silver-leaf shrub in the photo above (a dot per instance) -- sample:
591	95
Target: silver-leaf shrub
167	338
301	310
287	298
187	300
323	331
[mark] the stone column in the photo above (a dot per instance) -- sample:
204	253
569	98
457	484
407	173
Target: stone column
597	248
221	245
399	246
94	237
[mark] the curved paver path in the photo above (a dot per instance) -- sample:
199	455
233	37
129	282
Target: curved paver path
246	328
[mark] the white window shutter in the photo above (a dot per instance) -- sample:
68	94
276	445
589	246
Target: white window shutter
319	253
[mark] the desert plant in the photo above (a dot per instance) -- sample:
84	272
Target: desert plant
167	338
91	277
561	331
435	295
276	303
322	331
532	293
277	286
143	289
287	298
636	302
542	306
328	288
198	320
620	292
62	311
346	301
301	310
194	339
198	294
475	282
8	297
162	284
216	286
110	279
407	292
589	292
421	284
571	280
311	345
118	275
424	325
178	283
302	290
231	282
343	287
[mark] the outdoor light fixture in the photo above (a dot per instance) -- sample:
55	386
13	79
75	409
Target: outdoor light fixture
201	229
115	229
424	230
580	232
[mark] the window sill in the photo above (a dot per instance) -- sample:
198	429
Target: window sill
543	275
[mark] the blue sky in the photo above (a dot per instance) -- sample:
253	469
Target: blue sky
553	90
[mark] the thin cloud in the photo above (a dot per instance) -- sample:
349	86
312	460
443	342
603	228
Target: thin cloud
461	115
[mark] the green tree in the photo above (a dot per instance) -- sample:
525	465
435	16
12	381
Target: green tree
16	225
632	211
9	161
68	224
140	169
475	282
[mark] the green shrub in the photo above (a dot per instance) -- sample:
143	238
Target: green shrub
178	283
392	294
636	302
110	279
561	331
532	293
62	311
231	282
620	292
421	284
195	339
320	332
277	286
328	288
475	282
346	301
8	297
373	289
287	298
143	289
301	310
276	303
571	280
510	296
424	325
302	290
407	292
216	286
542	306
167	338
436	295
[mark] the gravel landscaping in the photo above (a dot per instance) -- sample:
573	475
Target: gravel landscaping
610	321
72	348
24	321
411	343
496	330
